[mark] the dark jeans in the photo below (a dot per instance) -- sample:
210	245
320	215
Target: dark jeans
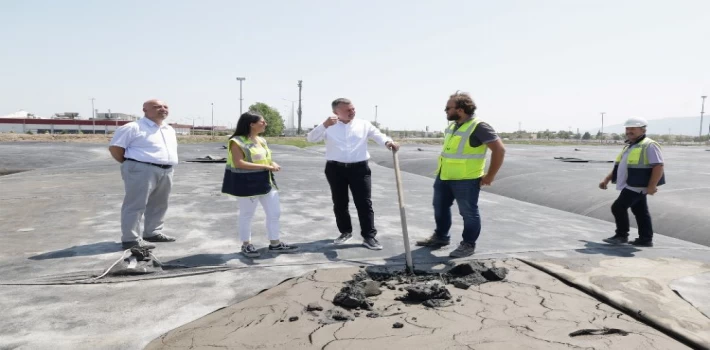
637	202
358	179
465	192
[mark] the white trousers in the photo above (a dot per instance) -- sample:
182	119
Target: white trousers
247	208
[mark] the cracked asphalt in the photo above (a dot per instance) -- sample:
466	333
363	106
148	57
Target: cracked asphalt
528	310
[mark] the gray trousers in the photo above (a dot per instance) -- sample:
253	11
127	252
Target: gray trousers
147	191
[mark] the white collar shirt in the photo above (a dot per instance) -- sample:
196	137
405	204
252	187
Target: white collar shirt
347	143
146	141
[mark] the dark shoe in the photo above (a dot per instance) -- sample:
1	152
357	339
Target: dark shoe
433	241
344	238
465	249
638	242
137	244
372	243
159	238
282	248
617	239
250	251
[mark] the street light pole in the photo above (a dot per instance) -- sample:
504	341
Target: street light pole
240	79
212	132
300	111
702	111
602	135
93	116
375	114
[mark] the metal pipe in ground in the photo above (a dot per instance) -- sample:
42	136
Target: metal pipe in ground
402	213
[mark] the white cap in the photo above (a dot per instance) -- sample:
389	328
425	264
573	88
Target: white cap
636	122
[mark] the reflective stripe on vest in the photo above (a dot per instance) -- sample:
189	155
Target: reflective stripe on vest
244	182
450	166
637	155
248	149
639	170
465	135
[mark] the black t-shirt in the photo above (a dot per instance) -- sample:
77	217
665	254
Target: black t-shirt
483	134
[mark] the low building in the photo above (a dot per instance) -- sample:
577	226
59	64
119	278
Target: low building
59	126
182	129
116	116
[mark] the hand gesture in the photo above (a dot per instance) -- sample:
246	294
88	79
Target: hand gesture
330	121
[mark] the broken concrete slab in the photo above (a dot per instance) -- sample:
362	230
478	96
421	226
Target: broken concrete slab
640	287
529	309
420	292
466	282
371	288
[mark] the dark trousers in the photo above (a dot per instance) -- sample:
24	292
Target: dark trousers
465	192
357	178
637	202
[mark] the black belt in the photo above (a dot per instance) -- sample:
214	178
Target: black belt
347	165
162	166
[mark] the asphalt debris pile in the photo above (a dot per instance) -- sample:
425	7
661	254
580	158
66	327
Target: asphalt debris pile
336	314
208	159
603	331
430	294
314	307
579	160
427	288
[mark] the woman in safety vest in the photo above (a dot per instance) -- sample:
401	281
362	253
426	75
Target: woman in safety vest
249	176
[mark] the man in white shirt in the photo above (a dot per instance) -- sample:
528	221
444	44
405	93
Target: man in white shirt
147	151
347	167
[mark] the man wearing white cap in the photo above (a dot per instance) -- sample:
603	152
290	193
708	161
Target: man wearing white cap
638	171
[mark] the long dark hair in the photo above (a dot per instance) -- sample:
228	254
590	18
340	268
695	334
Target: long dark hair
245	122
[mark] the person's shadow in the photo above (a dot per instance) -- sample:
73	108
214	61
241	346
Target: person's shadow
81	250
622	251
325	246
213	260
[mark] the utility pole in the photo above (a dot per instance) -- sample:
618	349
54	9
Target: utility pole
240	79
300	112
212	133
602	135
93	116
702	111
375	114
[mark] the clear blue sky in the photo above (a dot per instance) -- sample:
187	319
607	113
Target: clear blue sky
547	64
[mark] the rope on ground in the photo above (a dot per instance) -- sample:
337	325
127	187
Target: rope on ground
123	256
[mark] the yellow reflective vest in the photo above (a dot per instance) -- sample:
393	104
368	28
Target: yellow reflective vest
244	182
638	169
458	160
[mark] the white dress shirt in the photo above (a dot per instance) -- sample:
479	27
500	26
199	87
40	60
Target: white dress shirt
347	143
146	141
